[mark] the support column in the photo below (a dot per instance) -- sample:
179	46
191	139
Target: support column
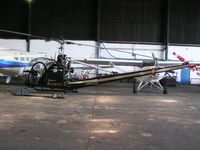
167	28
98	43
29	23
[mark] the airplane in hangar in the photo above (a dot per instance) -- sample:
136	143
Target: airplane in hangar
13	61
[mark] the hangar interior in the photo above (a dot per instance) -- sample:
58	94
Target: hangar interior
109	116
139	26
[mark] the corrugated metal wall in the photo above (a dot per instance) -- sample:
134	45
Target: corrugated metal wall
126	20
72	19
120	20
13	16
185	22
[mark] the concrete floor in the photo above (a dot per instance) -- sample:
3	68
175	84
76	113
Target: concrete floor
101	118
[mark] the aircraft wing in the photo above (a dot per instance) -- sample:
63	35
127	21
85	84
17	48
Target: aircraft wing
134	62
112	61
171	62
88	68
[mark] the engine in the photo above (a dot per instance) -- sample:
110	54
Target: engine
56	74
50	74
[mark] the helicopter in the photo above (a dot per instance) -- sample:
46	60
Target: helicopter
56	75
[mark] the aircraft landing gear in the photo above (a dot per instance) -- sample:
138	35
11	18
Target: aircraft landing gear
58	95
134	86
74	91
165	91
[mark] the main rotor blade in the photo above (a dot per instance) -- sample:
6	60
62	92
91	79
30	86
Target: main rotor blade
21	33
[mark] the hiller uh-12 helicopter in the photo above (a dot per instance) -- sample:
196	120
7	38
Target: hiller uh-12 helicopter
55	75
45	74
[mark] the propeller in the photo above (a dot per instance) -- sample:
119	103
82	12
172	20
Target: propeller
191	67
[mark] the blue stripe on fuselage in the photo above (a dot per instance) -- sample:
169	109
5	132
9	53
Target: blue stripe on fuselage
11	64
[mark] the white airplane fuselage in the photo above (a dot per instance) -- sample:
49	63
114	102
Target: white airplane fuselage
13	62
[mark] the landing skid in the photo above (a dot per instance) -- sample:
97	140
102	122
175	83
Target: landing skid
134	86
165	91
26	91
